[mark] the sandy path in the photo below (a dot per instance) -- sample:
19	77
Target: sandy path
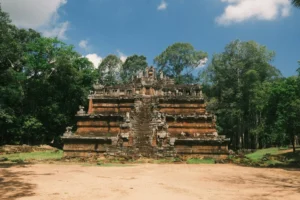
148	181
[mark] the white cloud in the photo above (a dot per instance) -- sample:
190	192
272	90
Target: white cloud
238	11
203	62
84	44
59	31
37	14
122	56
162	6
95	59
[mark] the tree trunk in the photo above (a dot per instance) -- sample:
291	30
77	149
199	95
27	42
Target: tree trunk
2	136
256	141
294	144
239	137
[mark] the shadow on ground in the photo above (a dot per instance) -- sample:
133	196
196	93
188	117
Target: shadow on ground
281	186
12	186
8	165
292	163
276	186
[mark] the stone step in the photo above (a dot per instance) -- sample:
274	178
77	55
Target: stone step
142	127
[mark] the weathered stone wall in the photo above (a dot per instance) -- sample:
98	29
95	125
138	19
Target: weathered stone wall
105	117
111	105
187	117
181	107
98	127
84	148
107	150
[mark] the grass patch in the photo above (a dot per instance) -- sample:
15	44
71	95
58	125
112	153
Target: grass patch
166	160
273	162
270	157
200	161
161	161
259	154
40	155
292	157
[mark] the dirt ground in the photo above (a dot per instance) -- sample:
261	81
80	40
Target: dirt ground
147	181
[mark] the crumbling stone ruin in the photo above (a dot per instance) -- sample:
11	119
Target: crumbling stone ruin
149	117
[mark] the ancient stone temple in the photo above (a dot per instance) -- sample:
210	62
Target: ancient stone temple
149	117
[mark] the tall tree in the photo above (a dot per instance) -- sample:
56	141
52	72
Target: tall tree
296	3
109	70
284	111
179	60
235	76
131	66
58	80
13	46
42	82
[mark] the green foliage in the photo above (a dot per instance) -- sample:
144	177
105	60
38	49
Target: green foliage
109	70
296	3
32	129
132	65
179	60
42	82
284	110
238	81
55	73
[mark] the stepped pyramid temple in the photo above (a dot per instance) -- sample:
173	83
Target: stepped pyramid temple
149	117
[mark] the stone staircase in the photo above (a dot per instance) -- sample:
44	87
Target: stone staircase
141	126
